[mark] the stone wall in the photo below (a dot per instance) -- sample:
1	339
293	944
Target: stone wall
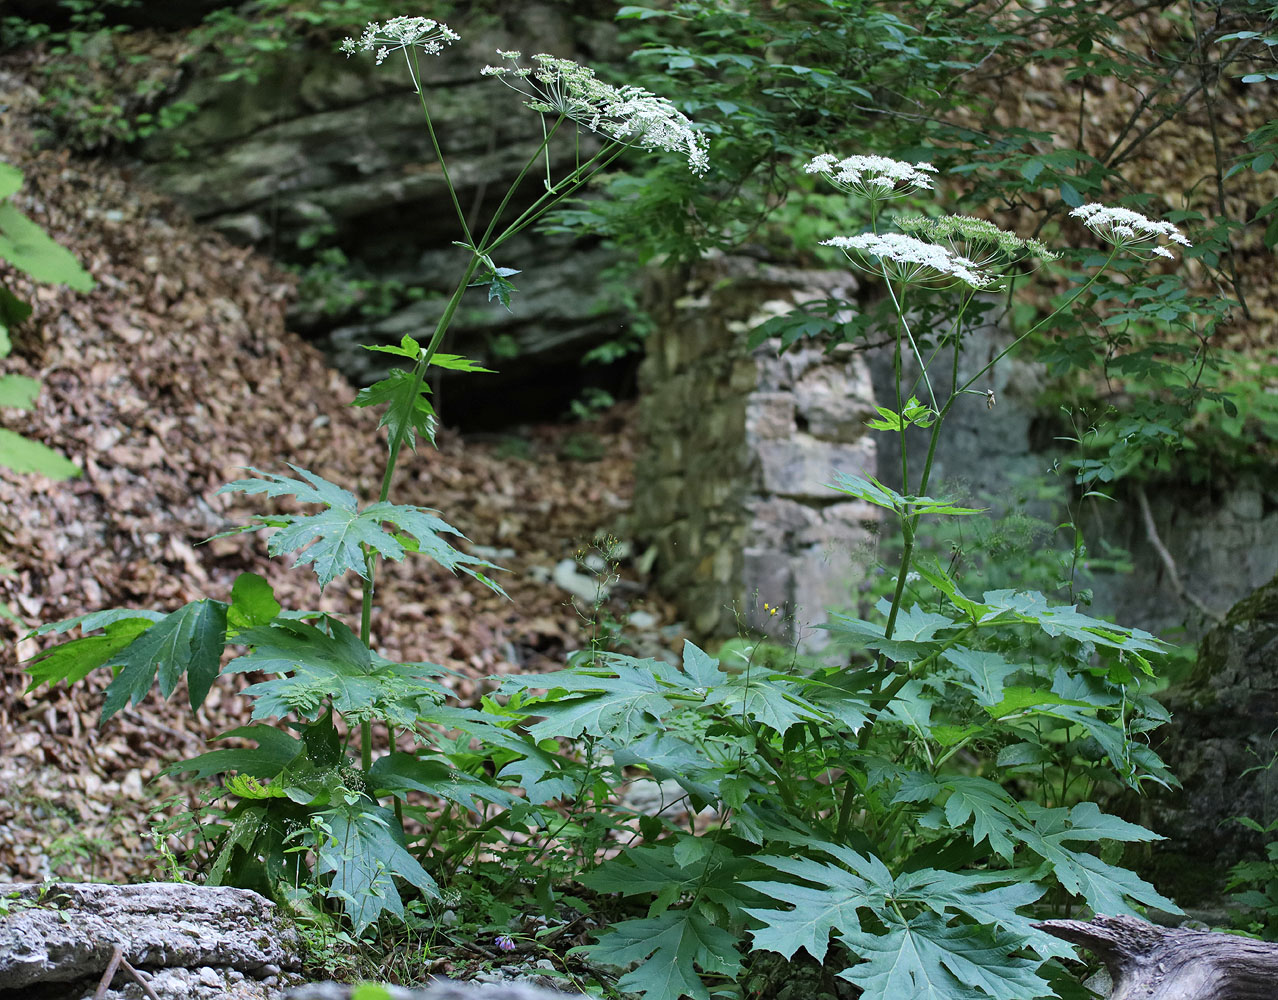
731	488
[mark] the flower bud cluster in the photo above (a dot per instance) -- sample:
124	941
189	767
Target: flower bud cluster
875	177
980	241
401	33
629	115
1128	230
912	259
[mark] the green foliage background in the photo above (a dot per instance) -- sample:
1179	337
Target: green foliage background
900	816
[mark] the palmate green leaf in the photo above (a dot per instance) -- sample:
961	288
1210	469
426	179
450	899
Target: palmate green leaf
928	959
670	947
25	456
985	805
701	669
816	912
408	411
986	672
543	774
337	537
425	527
1031	607
870	490
669	758
992	898
73	661
770	700
30	249
649	869
189	641
406	772
275	750
912	708
618	704
364	850
1104	887
870	635
332	668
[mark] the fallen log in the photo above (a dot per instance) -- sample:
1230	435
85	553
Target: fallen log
1149	962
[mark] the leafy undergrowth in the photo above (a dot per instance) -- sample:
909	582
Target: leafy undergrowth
167	380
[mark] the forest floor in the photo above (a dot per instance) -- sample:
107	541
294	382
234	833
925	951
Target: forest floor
162	384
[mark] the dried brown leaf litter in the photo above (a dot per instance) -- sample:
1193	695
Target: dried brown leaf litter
162	384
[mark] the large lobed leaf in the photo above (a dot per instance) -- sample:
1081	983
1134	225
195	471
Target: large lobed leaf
144	645
364	851
936	935
139	645
927	959
334	668
337	539
670	948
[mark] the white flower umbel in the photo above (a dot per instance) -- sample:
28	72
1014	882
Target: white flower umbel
1128	230
874	177
979	241
909	259
628	115
401	33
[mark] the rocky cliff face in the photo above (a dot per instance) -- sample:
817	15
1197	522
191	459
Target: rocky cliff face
1222	743
325	152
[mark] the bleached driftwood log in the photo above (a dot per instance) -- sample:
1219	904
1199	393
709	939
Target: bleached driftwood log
1149	962
66	932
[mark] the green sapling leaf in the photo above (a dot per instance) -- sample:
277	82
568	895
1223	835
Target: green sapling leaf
73	661
188	641
26	456
18	391
364	850
408	411
29	249
252	602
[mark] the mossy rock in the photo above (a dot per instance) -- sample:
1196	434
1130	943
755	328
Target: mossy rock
1222	741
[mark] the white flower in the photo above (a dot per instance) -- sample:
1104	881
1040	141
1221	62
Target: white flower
401	33
1128	230
913	260
981	242
874	177
629	115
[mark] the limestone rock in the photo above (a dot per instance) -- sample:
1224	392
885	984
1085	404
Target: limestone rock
443	990
67	932
1220	738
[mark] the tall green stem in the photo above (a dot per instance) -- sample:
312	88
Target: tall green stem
909	522
395	444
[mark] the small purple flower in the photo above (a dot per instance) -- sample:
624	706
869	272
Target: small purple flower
504	942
